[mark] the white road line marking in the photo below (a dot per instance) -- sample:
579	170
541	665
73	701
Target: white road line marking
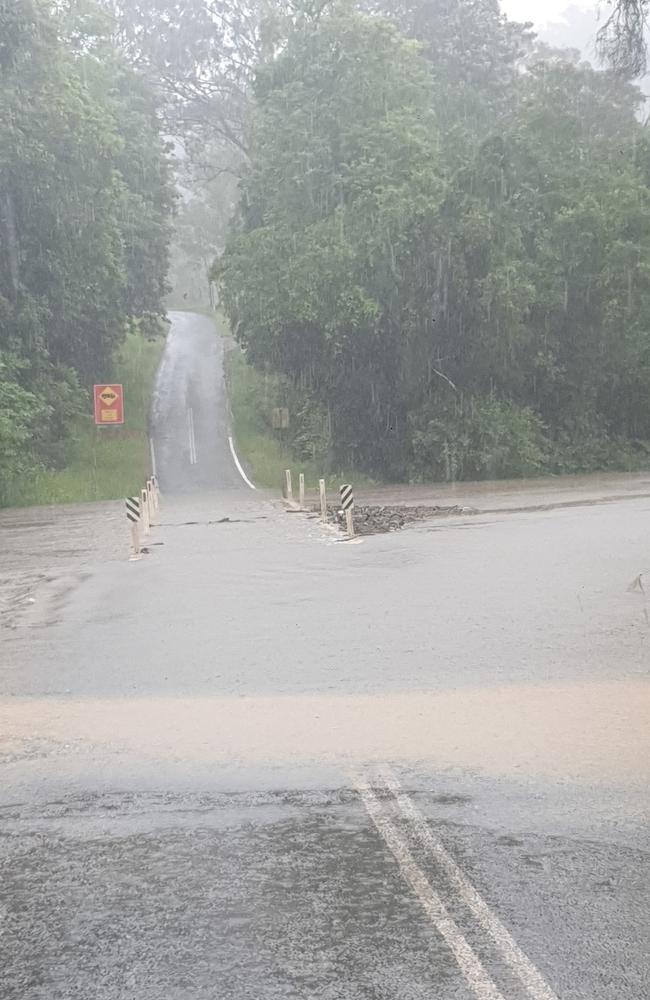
469	963
152	450
520	964
238	464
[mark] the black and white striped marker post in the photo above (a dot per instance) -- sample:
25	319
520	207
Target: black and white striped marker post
347	503
133	516
133	509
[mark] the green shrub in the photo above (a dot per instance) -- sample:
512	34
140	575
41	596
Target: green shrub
583	450
85	462
477	439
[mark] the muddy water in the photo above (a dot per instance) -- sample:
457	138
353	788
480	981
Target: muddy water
600	731
51	549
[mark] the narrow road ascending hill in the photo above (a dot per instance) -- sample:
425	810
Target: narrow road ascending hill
190	410
261	764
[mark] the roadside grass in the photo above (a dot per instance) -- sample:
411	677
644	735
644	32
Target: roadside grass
105	463
252	396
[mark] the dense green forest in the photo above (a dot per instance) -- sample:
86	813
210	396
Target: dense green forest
444	245
85	207
429	229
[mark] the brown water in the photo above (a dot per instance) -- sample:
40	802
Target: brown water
599	731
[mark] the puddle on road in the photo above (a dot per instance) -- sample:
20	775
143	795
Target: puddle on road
570	731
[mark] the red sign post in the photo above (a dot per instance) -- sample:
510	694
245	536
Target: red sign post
109	404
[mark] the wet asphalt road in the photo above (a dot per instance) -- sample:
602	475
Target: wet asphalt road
190	413
261	762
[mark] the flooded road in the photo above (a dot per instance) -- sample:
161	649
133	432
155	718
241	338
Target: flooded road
265	763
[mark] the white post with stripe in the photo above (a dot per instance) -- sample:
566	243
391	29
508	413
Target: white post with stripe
323	500
289	487
347	503
301	490
133	516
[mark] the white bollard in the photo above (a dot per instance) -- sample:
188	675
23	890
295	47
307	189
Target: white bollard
144	507
323	500
301	490
150	501
287	474
349	522
135	541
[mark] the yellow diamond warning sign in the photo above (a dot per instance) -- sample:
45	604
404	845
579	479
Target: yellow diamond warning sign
109	404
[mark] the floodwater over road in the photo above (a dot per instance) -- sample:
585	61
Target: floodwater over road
262	762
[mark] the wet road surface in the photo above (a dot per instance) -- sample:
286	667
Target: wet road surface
262	762
190	411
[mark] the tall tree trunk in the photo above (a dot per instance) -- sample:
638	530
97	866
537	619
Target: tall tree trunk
9	246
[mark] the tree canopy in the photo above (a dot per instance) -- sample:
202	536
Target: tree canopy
85	201
441	237
443	244
622	38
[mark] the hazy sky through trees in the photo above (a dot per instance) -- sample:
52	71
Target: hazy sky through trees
542	11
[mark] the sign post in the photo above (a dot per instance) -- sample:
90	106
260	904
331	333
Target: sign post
280	422
109	404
